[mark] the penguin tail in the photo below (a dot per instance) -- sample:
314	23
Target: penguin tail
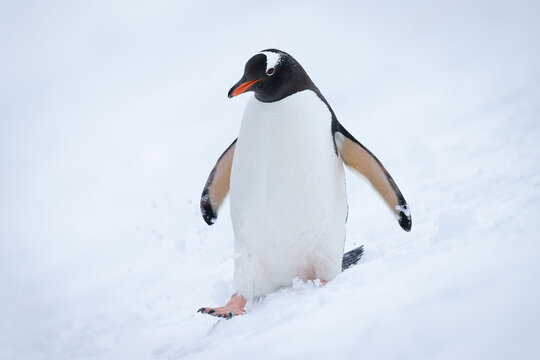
352	257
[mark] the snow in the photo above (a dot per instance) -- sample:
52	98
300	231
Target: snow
113	114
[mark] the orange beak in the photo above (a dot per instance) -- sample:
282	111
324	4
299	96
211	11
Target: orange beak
242	88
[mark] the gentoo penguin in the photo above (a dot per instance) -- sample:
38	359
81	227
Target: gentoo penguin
286	181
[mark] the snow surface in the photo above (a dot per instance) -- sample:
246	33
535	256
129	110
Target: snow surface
113	113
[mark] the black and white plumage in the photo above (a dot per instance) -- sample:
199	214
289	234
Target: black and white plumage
286	179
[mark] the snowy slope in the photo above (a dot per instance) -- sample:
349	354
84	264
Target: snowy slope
112	114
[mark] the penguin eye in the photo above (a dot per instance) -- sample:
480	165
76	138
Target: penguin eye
270	71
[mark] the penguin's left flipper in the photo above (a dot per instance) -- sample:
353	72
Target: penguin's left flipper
361	160
217	186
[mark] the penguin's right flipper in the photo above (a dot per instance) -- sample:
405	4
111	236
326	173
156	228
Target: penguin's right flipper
217	185
352	257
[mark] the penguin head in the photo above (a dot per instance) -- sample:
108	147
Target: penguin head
272	75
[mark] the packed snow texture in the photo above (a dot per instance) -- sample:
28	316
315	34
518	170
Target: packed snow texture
113	113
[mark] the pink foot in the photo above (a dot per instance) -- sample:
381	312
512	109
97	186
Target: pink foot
234	307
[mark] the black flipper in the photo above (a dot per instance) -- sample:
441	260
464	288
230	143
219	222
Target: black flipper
217	185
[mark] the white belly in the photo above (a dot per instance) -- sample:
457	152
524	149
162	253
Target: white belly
288	201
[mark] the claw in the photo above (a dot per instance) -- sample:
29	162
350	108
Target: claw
234	307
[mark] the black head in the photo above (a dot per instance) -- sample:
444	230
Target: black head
273	75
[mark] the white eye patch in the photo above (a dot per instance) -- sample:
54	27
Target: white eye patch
272	59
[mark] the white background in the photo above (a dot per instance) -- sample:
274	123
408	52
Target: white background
112	114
